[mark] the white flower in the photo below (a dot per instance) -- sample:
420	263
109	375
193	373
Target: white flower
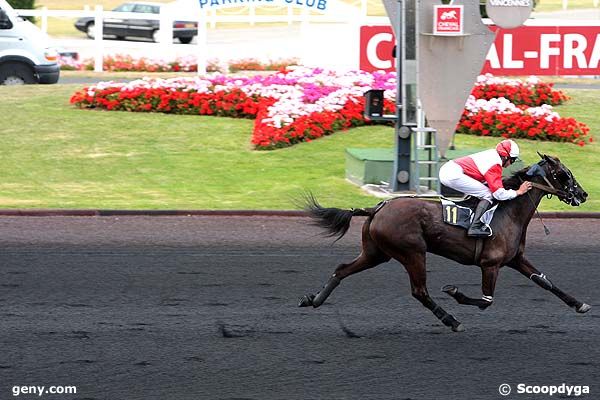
329	90
500	105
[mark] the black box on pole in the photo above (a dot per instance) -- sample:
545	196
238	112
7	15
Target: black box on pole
374	103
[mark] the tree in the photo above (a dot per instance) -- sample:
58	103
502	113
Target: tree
24	5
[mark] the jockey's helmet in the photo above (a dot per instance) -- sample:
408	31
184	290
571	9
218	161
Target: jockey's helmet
508	148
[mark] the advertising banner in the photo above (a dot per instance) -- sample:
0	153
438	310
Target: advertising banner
528	50
448	20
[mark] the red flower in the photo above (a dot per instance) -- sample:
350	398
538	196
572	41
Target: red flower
235	103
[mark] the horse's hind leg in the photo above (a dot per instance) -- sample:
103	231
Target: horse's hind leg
488	285
371	256
415	266
523	265
361	263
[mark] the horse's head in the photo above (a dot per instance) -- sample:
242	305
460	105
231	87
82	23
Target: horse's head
558	176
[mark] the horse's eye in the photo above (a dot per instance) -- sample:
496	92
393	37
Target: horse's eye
564	177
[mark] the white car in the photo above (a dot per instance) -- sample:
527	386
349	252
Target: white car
25	52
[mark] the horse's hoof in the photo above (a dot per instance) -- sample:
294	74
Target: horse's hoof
450	289
459	328
306	301
583	308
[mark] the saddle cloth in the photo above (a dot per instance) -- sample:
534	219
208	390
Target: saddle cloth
461	213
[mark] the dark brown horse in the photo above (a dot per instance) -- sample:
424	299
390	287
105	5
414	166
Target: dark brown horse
407	228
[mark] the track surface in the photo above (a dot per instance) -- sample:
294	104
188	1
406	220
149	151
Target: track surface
205	308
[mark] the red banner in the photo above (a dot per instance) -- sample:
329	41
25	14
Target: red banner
376	45
528	50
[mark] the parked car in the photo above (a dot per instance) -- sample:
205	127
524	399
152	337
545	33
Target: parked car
143	28
26	55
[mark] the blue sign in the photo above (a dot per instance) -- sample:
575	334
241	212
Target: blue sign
320	5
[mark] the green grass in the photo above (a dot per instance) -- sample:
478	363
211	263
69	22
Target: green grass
566	80
556	5
56	156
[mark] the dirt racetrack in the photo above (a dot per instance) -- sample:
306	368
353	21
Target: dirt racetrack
205	308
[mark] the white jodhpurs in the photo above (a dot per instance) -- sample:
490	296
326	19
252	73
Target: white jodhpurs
452	175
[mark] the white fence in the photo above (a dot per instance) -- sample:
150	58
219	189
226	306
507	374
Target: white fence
354	16
565	4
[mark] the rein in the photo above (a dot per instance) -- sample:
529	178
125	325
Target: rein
547	188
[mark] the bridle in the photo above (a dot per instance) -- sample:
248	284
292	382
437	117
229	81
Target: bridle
564	195
550	188
569	192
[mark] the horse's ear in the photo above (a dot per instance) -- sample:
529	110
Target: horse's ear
547	158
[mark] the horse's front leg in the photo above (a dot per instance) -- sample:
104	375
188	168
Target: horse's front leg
523	265
488	285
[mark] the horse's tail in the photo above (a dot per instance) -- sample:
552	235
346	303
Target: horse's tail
334	221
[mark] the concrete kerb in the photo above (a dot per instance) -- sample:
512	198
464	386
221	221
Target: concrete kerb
218	213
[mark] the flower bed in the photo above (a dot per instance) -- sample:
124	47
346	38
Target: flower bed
299	105
126	63
253	64
303	104
531	92
503	118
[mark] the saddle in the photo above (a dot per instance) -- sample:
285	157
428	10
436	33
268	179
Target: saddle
457	213
460	213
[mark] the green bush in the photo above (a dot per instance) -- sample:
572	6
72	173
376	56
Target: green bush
24	5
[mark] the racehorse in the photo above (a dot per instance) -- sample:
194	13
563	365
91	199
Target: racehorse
407	228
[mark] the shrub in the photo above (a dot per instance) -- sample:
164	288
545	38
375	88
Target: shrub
23	5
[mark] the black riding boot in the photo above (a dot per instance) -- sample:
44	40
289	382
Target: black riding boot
478	228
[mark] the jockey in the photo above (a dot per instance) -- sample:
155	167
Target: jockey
467	174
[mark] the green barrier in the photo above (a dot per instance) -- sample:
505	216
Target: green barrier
369	166
375	165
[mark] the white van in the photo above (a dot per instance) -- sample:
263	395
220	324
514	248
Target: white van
25	52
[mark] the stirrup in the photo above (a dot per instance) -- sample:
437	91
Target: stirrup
482	231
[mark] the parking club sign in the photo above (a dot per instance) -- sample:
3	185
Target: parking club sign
314	5
448	19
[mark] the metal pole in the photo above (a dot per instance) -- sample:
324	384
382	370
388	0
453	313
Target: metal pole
201	43
98	39
401	179
306	46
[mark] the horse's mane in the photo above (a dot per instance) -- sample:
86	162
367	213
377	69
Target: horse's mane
515	180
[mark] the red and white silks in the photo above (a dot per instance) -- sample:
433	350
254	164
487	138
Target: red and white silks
467	174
